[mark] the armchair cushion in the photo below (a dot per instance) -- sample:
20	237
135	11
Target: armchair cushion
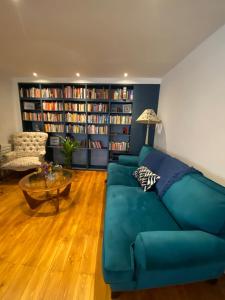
168	257
22	163
9	156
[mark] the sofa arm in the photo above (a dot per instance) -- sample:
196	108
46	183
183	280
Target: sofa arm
128	160
9	156
166	250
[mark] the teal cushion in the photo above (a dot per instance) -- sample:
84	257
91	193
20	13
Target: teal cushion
129	210
145	150
197	203
129	160
165	258
121	175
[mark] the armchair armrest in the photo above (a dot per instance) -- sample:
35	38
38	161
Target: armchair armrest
166	250
128	160
9	156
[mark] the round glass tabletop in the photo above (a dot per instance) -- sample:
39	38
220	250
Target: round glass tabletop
35	182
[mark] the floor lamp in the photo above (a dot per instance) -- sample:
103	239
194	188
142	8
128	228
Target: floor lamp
148	117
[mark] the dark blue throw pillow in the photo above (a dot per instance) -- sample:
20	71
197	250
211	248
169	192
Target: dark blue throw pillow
153	160
168	168
170	171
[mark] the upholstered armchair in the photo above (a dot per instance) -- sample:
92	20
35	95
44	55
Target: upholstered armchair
29	151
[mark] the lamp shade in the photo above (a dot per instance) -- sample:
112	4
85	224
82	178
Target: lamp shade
148	117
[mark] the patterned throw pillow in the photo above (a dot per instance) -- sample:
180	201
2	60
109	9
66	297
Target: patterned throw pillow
145	177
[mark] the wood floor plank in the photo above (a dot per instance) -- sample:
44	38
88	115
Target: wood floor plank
44	255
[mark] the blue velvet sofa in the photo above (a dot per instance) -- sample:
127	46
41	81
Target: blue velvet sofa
153	240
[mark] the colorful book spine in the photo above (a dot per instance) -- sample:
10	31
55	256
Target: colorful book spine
53	127
100	119
52	105
119	146
75	106
93	129
71	128
118	119
29	116
97	107
75	118
51	117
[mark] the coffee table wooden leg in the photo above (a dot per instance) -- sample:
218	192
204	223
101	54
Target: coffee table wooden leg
66	191
33	203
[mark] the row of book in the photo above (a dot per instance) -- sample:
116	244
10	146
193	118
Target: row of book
53	127
73	92
97	93
123	108
118	119
75	128
101	119
93	129
52	117
75	106
95	144
119	146
29	116
77	93
122	93
97	107
30	92
51	93
52	105
76	118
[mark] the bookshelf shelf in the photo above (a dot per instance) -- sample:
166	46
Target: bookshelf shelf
63	104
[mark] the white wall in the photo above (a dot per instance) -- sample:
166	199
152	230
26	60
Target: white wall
192	108
10	120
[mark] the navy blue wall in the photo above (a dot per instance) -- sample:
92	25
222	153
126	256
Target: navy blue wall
145	96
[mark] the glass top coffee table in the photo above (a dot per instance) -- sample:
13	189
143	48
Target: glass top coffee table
38	189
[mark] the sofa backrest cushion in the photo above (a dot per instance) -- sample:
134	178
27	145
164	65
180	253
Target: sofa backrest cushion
145	150
196	202
170	171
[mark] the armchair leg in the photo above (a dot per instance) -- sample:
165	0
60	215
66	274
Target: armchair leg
115	294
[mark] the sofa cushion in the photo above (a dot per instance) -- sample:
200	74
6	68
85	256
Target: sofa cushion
128	160
145	150
129	210
121	175
197	203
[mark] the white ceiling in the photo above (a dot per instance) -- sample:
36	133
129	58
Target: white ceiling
102	38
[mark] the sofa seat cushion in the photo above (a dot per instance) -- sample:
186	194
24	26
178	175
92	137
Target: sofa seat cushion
197	203
121	175
129	210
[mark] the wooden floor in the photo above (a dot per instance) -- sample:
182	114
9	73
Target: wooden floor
49	256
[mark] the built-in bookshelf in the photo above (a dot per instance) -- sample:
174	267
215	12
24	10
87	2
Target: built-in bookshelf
99	116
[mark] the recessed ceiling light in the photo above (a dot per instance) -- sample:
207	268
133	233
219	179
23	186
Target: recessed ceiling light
125	74
78	74
35	74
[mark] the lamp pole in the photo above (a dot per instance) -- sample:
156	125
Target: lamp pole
147	135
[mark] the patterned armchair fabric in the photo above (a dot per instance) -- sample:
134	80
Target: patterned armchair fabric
29	151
